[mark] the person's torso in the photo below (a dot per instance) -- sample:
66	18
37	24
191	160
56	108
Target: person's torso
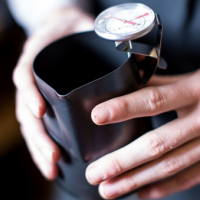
181	35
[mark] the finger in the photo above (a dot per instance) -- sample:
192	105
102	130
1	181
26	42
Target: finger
25	83
163	80
33	129
147	102
149	147
164	167
183	181
49	170
42	141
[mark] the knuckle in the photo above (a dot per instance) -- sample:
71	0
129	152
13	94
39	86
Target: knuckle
196	92
129	185
184	182
155	100
155	146
18	116
160	193
194	80
52	173
197	124
15	75
116	166
171	166
23	131
123	106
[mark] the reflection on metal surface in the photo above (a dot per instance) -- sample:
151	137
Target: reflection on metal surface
152	53
70	99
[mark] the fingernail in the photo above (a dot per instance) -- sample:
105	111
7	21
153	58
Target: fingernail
48	154
110	190
34	108
94	175
101	115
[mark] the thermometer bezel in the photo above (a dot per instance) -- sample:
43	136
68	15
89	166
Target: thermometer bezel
123	36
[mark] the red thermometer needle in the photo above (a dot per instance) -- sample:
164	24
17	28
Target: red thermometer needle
128	22
142	16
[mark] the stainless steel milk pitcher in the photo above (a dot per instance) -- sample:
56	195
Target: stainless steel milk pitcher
74	74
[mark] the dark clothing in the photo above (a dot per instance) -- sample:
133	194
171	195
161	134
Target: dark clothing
181	36
180	48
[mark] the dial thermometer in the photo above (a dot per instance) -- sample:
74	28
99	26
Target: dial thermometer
125	23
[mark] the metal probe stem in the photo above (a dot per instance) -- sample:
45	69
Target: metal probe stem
129	43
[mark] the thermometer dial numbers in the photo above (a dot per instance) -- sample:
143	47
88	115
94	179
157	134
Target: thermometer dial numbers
126	26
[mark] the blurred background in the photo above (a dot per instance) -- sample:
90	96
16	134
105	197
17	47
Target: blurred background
19	178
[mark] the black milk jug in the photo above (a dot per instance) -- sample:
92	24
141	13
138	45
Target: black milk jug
74	74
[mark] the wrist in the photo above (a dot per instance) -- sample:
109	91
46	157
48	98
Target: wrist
62	22
66	21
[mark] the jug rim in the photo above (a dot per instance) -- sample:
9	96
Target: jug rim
82	86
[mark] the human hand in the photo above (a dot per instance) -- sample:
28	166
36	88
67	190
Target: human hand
159	154
30	105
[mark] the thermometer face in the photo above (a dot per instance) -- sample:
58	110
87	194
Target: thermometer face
125	22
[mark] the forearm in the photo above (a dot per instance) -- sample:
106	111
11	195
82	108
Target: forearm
60	23
32	14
